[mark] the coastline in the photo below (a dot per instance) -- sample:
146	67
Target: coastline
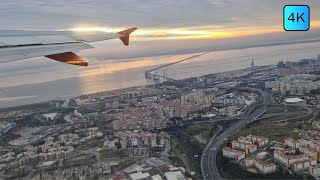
104	81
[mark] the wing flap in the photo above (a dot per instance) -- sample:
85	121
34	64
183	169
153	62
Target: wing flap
25	52
68	58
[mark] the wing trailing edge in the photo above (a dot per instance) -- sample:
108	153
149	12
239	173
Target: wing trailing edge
68	58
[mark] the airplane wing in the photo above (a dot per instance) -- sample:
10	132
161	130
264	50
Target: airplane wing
57	45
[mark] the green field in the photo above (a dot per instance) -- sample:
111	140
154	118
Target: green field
272	110
184	144
99	107
188	147
277	131
110	154
206	129
277	109
96	144
176	161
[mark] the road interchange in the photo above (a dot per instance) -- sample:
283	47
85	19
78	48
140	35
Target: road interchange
208	159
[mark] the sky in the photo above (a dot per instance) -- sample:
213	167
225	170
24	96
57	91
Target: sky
165	26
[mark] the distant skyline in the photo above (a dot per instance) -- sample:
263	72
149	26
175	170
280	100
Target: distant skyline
166	27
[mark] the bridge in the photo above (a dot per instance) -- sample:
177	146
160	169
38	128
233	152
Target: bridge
153	74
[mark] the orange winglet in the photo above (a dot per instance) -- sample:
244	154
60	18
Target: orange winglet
125	35
68	58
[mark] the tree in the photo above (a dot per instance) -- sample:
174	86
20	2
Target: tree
299	126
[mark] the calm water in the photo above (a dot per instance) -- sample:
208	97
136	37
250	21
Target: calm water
39	79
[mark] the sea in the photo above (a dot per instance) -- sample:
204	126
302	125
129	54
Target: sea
39	80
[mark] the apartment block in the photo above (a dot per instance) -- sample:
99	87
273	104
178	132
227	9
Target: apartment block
247	147
288	160
315	170
312	153
300	165
292	143
264	167
258	140
234	154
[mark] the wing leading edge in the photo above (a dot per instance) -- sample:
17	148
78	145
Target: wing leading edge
59	46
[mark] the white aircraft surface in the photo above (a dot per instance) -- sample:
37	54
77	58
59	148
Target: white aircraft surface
57	45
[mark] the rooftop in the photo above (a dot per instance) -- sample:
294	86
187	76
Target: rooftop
293	100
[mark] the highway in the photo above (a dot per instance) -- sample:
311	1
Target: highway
208	160
204	156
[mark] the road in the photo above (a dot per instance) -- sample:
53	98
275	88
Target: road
205	154
208	161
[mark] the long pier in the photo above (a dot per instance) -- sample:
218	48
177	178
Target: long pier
155	76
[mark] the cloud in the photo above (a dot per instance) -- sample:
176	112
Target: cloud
156	19
45	14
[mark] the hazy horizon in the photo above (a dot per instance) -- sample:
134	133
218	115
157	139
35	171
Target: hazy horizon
186	26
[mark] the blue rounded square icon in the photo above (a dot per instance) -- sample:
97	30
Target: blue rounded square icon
296	18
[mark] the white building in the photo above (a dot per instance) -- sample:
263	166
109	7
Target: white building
288	160
315	170
247	147
265	167
300	165
312	153
292	143
234	154
156	177
258	140
262	166
139	175
176	175
294	100
298	84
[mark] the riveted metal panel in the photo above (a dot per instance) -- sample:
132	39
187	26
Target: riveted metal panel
19	40
52	39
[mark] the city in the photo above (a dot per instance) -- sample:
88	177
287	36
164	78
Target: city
159	90
262	121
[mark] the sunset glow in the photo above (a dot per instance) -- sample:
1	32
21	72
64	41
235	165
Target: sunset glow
180	33
192	32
